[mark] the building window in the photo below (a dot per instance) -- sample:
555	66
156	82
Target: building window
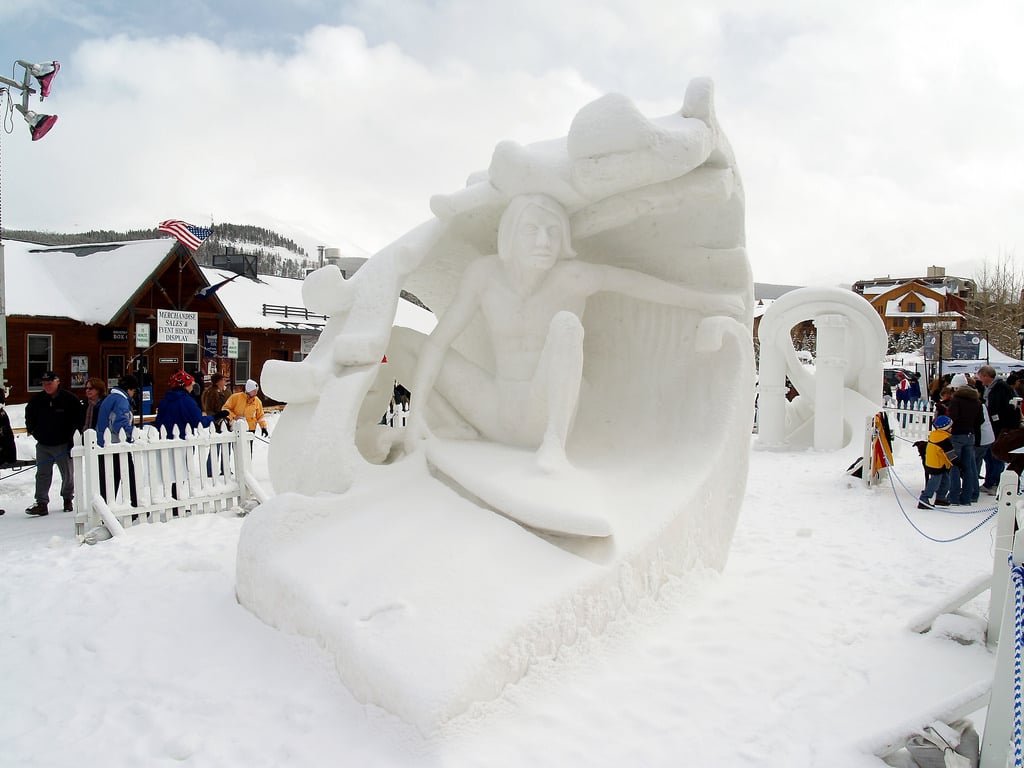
40	358
190	359
911	306
242	366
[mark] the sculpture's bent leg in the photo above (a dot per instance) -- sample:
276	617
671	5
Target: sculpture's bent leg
561	372
470	391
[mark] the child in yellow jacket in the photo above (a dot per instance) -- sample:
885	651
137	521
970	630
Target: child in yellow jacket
939	455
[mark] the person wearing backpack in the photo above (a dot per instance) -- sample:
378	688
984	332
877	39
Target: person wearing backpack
939	455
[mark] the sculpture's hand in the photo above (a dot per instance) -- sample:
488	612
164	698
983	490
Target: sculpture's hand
721	304
355	350
326	291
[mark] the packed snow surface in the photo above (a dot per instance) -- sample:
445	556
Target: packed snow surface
135	652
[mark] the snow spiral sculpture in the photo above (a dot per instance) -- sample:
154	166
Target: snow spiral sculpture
845	385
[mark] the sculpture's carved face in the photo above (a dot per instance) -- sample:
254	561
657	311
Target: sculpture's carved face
537	240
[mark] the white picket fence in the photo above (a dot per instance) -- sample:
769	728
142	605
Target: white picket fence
912	421
204	471
397	415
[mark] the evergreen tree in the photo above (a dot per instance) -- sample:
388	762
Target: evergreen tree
908	341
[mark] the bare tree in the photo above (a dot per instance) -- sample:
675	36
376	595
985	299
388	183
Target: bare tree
996	304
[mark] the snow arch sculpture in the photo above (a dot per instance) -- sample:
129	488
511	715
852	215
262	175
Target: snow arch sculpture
845	385
441	576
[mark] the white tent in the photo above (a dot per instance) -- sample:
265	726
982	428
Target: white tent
987	354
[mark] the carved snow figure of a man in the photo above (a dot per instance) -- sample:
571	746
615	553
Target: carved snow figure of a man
531	295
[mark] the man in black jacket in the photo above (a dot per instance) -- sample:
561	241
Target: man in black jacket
1004	414
52	417
964	409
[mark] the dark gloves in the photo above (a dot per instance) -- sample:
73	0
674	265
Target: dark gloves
264	432
220	419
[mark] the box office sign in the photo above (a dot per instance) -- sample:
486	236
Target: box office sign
177	327
108	333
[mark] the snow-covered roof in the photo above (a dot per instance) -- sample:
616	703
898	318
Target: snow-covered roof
244	299
91	283
930	307
88	283
911	286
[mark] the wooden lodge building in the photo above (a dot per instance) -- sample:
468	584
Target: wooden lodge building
91	311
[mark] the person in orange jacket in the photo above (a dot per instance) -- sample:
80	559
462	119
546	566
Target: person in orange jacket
246	405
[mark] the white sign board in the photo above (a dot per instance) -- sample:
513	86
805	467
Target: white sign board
142	335
176	327
306	343
232	346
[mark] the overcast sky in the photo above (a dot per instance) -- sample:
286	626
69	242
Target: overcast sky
876	137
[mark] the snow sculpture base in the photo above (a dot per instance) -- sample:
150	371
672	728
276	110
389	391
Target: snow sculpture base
429	603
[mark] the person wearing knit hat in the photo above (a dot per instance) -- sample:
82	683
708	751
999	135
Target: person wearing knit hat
246	405
938	458
177	411
964	408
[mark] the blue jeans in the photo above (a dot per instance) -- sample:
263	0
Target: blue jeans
993	468
937	484
963	480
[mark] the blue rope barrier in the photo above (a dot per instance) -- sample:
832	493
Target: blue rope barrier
1017	574
993	511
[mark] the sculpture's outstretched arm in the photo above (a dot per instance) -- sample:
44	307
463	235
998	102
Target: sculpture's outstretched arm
602	277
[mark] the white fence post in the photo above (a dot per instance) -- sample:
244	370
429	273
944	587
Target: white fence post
243	459
1006	498
999	719
869	439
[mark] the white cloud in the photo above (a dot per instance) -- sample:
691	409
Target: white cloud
873	138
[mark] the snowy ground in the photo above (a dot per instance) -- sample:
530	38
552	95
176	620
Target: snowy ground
135	653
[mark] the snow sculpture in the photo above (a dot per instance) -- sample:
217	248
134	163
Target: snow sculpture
845	385
531	299
580	416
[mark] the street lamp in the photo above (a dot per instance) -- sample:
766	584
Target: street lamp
43	74
38	126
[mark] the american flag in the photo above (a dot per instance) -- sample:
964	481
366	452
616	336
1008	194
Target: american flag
187	234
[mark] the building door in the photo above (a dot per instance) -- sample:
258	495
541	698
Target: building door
113	366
